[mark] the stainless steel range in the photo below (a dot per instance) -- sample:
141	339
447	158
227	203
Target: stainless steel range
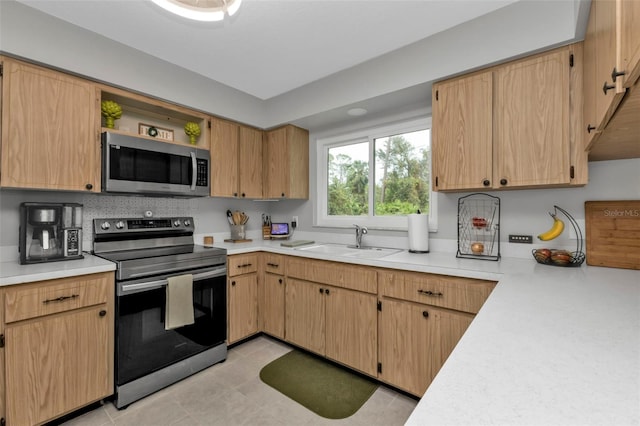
149	254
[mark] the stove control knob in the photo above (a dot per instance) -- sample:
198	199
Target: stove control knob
105	225
187	222
176	223
119	224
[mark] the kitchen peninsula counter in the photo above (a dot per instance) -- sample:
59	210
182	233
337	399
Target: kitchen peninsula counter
551	345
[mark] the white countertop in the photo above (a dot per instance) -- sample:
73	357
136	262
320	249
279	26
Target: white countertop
550	346
11	272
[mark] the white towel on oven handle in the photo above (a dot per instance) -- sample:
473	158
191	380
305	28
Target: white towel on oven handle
179	305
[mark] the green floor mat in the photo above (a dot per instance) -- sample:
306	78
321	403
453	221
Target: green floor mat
324	388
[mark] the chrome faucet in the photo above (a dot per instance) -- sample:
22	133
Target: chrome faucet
360	231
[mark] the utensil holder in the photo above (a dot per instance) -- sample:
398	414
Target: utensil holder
238	232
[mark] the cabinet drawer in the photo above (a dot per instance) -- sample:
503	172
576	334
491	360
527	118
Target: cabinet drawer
49	297
274	263
242	264
461	294
334	273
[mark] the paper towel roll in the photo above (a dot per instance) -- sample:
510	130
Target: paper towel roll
418	233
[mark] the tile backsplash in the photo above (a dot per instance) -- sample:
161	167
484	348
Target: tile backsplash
208	213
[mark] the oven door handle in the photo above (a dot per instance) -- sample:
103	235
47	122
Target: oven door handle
162	283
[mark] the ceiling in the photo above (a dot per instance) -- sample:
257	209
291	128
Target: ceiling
271	47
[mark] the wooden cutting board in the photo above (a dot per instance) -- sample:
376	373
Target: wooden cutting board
613	233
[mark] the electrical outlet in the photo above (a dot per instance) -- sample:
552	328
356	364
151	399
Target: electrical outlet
294	222
525	239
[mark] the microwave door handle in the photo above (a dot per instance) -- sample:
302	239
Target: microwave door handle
194	170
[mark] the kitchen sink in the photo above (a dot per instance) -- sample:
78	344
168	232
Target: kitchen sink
366	252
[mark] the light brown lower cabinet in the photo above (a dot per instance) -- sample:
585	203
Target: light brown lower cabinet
271	289
242	297
396	326
58	346
334	322
414	341
305	314
243	307
271	307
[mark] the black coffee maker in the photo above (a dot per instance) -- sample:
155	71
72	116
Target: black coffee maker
50	232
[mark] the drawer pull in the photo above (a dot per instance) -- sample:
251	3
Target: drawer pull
606	87
60	299
246	265
430	293
273	265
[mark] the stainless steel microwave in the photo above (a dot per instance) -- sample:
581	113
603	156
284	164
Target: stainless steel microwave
141	166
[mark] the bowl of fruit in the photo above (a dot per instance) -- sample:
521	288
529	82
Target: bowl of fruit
557	257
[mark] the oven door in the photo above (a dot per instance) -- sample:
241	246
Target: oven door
142	343
135	165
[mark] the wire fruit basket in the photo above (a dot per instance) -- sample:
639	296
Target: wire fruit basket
479	227
562	258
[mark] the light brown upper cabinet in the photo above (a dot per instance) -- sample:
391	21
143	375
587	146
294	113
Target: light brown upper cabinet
462	133
516	125
236	163
612	68
50	135
286	163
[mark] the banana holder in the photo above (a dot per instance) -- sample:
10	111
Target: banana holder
576	258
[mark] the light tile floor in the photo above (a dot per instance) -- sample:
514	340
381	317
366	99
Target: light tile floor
231	393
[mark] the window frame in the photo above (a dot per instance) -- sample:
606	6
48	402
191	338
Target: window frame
396	223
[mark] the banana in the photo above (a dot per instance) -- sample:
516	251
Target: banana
555	231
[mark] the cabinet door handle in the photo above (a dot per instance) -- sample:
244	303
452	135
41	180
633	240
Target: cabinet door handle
606	87
425	314
60	299
102	313
89	186
430	293
283	194
486	182
321	291
590	128
235	194
503	181
243	195
280	281
233	283
326	291
615	74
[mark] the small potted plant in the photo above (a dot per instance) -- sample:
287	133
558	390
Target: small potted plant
111	111
192	130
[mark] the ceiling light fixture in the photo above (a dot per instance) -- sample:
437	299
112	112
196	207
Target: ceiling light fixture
200	10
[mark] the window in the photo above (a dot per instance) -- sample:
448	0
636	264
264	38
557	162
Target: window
376	177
